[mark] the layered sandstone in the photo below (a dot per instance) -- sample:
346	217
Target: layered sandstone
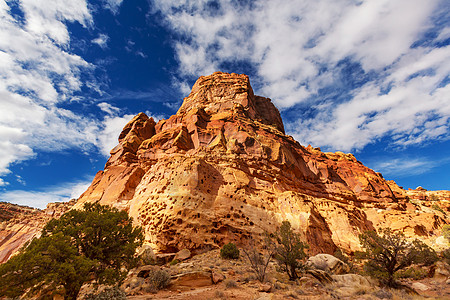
222	169
19	224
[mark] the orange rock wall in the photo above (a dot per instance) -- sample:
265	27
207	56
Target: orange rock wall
21	224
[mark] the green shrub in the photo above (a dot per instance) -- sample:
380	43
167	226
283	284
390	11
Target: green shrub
438	208
157	280
415	273
230	284
98	243
112	293
259	261
446	255
289	250
390	252
229	251
446	232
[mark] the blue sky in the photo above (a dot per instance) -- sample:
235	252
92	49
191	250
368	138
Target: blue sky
368	77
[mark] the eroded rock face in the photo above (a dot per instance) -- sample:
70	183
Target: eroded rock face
19	224
222	169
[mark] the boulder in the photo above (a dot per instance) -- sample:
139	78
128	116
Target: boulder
146	255
183	254
192	279
265	287
217	277
351	280
328	263
418	286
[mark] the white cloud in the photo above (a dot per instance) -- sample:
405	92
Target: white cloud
101	41
38	73
401	167
40	198
108	137
296	48
113	5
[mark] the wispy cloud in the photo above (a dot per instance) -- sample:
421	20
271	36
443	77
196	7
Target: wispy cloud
113	5
406	166
101	41
355	71
40	198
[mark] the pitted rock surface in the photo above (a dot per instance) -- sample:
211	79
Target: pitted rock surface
222	169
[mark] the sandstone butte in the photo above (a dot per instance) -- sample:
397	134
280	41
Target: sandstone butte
222	169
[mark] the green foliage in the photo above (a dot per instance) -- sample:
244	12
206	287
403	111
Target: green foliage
174	262
108	294
438	208
390	252
446	255
49	260
412	273
433	197
446	232
421	253
103	234
229	251
289	250
96	242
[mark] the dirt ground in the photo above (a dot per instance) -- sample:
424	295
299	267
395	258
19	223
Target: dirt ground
239	282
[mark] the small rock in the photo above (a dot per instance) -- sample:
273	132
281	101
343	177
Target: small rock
442	270
448	281
217	277
420	286
165	258
320	275
265	288
146	255
265	296
183	254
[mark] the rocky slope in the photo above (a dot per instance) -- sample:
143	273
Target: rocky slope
19	224
222	169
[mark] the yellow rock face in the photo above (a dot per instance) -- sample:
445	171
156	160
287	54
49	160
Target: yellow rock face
222	169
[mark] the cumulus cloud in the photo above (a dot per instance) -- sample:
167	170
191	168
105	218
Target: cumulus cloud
37	73
354	71
40	198
112	126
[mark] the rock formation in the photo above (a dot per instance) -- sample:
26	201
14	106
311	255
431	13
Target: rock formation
222	169
19	224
